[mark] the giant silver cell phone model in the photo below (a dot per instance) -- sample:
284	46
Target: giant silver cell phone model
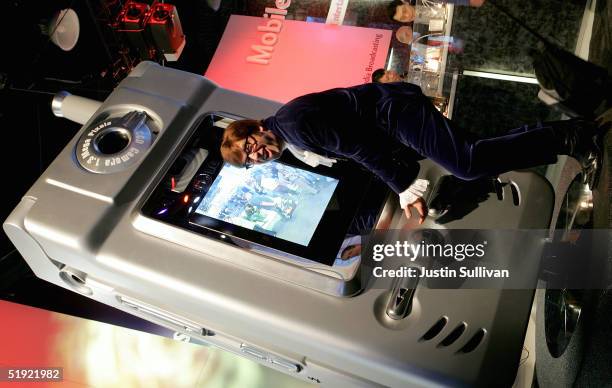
103	220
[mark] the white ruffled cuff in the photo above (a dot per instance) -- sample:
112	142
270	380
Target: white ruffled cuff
314	160
310	158
412	193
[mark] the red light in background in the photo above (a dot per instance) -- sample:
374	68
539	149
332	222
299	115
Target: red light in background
186	198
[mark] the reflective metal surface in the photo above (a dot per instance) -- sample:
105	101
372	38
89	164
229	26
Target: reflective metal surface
562	309
562	312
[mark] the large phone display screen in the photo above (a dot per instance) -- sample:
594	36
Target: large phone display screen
272	198
282	207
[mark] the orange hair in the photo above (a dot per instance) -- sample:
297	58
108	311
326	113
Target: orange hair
235	132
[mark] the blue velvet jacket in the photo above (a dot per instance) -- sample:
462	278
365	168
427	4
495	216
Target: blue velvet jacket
363	123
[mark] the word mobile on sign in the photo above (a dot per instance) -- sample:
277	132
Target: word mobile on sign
270	29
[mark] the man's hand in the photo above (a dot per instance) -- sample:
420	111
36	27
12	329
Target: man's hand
421	209
476	3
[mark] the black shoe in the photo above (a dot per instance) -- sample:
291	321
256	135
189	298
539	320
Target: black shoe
578	139
585	143
593	172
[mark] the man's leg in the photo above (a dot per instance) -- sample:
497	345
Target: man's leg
468	157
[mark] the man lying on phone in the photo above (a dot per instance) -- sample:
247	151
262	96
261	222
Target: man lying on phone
365	122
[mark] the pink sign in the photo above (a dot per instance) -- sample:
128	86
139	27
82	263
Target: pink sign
282	59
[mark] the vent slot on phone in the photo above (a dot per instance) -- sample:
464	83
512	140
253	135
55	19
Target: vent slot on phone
516	193
499	188
454	335
435	329
473	343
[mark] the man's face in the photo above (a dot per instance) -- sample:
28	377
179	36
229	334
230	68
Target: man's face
404	13
404	34
351	251
390	76
261	147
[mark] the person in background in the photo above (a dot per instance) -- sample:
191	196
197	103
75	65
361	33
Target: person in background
404	34
384	76
401	12
404	12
